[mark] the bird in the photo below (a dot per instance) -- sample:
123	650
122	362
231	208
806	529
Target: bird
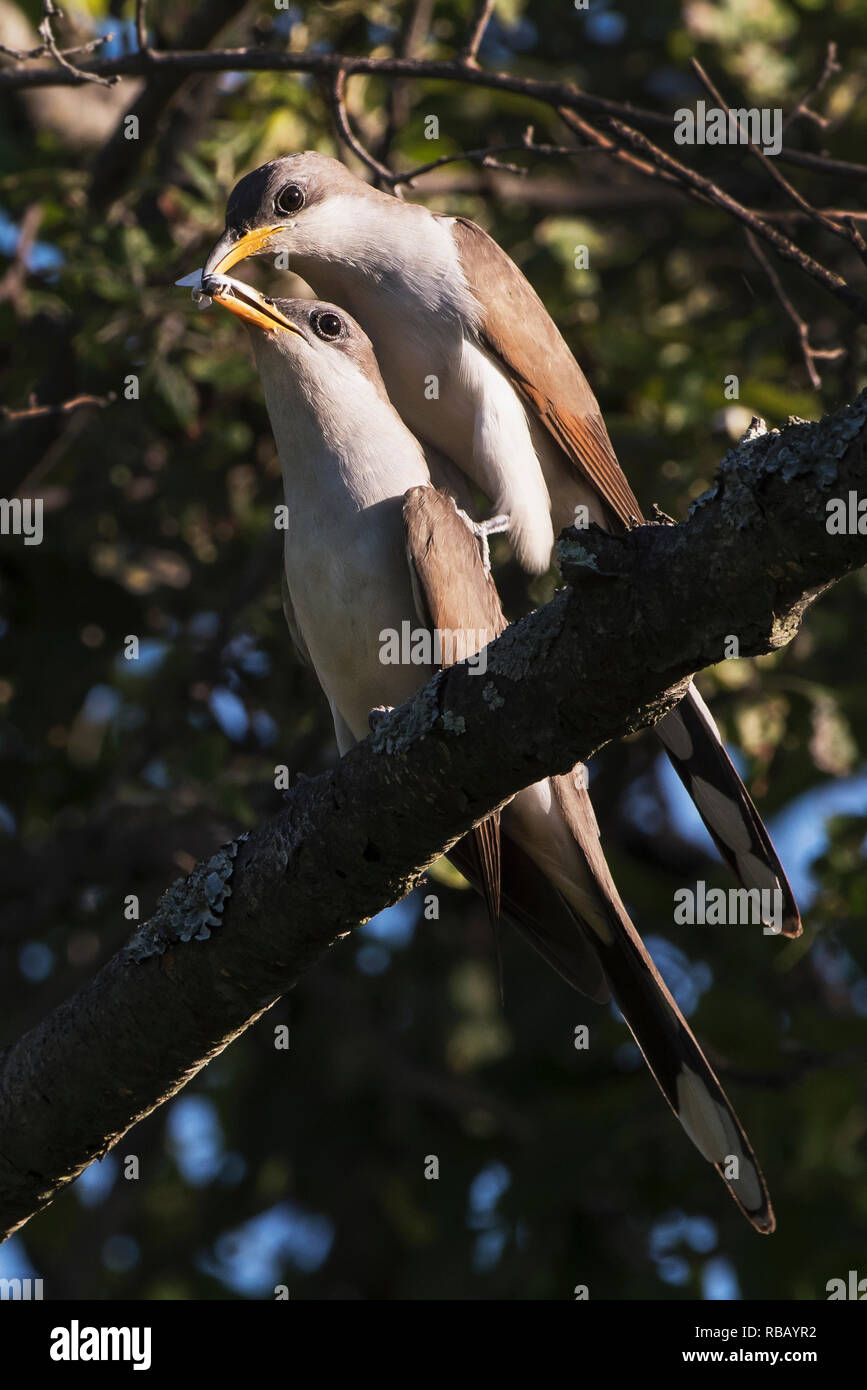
371	543
482	377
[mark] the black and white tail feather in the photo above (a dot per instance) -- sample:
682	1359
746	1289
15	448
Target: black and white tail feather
698	755
602	956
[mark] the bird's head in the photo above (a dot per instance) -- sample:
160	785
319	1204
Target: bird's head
319	373
305	204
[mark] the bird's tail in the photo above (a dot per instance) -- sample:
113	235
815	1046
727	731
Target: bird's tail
557	889
696	751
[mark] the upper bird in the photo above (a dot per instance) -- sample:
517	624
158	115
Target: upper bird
479	372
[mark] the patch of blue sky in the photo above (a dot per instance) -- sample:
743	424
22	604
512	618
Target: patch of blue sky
35	961
43	258
93	1185
604	26
204	625
502	39
485	1192
719	1280
232	81
395	926
798	831
285	19
156	774
243	652
101	703
195	1139
687	979
670	1234
230	712
488	1248
265	728
15	1262
489	1185
152	652
123	37
251	1260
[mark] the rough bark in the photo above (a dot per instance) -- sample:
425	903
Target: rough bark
607	655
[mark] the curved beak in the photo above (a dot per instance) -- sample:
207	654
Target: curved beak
247	303
237	246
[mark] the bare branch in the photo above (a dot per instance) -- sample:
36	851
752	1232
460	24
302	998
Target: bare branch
226	942
809	354
698	184
25	55
481	20
141	25
486	156
829	69
12	283
35	411
46	33
347	135
850	234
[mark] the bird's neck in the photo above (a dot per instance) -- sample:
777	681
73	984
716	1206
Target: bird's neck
382	250
345	453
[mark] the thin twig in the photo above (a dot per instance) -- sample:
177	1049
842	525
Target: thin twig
141	25
607	146
34	411
697	184
809	354
850	234
795	214
49	12
481	20
24	56
830	69
12	284
346	133
487	157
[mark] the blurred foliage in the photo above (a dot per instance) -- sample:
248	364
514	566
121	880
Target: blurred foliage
558	1167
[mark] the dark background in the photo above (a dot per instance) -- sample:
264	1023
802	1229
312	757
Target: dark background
306	1167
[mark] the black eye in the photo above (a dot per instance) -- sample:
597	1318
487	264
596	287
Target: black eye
326	325
290	199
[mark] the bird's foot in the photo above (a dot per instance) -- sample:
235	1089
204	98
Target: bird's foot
494	526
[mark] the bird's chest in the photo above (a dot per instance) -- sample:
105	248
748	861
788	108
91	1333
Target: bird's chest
419	349
350	588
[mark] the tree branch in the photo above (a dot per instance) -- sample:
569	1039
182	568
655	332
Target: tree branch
607	655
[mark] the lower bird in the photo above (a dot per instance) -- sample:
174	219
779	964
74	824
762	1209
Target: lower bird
372	545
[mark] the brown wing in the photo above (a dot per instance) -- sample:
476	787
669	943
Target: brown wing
518	330
455	593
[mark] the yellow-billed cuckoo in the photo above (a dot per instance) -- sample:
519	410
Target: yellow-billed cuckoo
371	545
510	407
